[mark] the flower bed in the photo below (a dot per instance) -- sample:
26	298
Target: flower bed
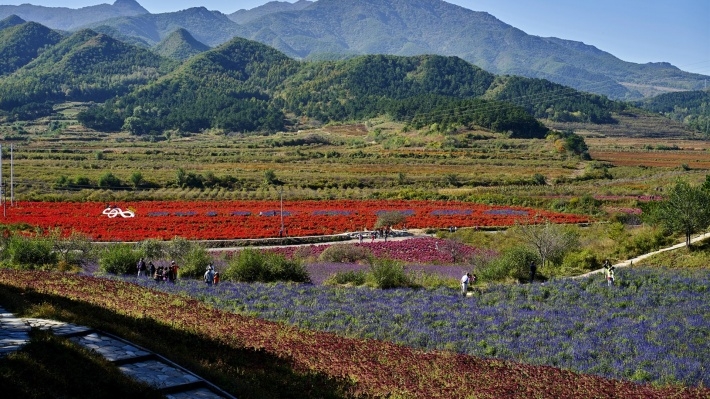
651	327
215	220
372	368
425	250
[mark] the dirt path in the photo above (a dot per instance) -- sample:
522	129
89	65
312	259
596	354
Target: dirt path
630	262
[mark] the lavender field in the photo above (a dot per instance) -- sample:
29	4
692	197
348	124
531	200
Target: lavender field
653	326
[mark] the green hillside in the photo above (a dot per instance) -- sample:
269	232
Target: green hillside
21	43
245	86
338	29
10	21
692	108
85	66
230	88
180	45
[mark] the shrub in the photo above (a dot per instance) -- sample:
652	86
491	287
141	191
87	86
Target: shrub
153	249
119	259
31	252
194	262
108	180
345	253
350	277
177	249
574	263
388	273
282	269
512	264
76	250
432	280
642	241
252	265
245	266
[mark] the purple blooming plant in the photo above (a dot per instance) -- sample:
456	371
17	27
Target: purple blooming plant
425	250
653	325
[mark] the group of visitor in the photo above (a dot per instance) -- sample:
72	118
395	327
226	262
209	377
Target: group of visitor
160	273
384	232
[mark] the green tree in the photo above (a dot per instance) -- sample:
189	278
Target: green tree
270	177
136	179
153	249
686	209
550	241
390	218
108	180
119	259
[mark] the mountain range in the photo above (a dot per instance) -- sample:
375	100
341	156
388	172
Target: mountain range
181	85
339	29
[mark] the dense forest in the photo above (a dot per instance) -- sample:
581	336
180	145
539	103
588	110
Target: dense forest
244	86
86	66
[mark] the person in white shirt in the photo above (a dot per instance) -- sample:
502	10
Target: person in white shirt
465	281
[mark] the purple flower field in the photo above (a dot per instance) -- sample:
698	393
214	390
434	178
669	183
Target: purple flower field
653	326
319	272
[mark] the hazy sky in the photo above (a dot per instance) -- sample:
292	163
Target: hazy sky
675	31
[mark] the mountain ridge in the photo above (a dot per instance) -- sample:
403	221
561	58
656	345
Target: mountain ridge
337	29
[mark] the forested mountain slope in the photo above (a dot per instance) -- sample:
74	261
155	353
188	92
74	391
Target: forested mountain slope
21	43
336	29
180	45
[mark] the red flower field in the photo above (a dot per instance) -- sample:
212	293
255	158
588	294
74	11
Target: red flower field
224	220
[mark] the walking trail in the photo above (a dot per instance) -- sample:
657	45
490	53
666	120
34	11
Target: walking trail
138	363
630	262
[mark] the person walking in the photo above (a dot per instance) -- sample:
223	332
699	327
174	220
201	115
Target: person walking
141	267
158	277
533	269
465	281
209	275
609	273
173	271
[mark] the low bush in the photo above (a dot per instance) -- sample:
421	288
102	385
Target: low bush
251	265
512	264
119	259
350	277
642	241
574	263
345	253
31	252
195	262
432	280
387	273
74	251
153	249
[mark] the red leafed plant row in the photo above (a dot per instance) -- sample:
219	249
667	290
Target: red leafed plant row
224	220
372	368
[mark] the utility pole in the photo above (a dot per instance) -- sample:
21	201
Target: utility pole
12	177
281	196
2	186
